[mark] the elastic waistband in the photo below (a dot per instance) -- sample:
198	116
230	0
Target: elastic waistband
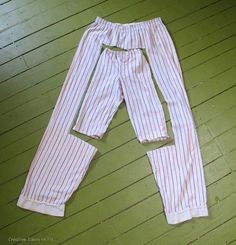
122	55
123	52
133	25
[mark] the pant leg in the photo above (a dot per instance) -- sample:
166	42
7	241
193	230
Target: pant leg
178	168
102	99
143	104
61	159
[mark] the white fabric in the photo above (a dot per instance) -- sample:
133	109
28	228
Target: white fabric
122	76
62	159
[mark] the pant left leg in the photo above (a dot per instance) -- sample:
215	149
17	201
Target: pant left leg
178	169
102	99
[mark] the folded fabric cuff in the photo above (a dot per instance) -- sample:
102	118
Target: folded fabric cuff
186	214
159	138
41	207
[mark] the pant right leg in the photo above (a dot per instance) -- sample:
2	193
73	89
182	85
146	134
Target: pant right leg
143	104
178	168
62	159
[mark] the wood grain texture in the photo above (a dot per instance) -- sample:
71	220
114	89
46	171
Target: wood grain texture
118	201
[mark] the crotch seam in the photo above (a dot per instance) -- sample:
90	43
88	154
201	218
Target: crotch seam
121	89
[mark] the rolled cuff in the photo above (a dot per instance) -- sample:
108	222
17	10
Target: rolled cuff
41	207
186	214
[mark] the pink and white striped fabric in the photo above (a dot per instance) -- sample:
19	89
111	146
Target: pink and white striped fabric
62	159
122	75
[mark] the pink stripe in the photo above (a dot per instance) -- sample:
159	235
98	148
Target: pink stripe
62	159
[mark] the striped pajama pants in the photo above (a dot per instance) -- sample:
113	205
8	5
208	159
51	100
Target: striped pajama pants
62	159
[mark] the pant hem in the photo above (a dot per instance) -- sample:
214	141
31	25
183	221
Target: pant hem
94	136
187	214
159	138
41	207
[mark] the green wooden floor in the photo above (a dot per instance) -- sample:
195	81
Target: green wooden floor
118	202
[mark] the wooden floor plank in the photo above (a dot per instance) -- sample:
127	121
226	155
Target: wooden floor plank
157	227
54	13
13	5
185	235
198	118
32	92
118	202
231	159
212	171
120	222
66	23
4	141
25	13
9	151
223	234
100	208
53	47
